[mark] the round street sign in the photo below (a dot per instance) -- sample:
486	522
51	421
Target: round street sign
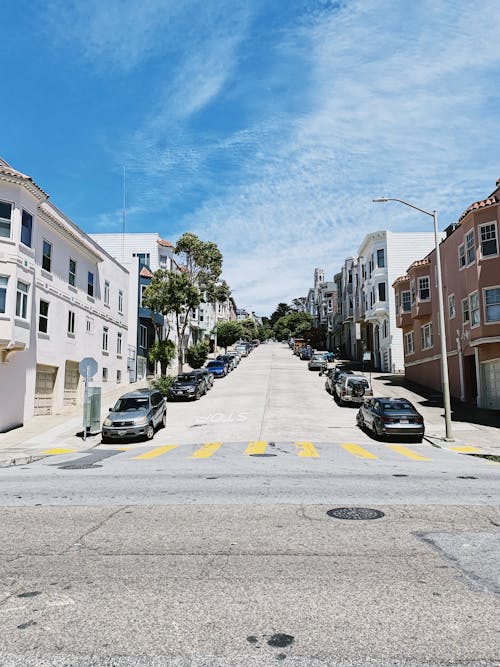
88	367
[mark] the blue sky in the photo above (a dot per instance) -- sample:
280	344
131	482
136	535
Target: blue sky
266	126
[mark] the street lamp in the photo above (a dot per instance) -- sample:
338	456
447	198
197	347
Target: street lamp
444	358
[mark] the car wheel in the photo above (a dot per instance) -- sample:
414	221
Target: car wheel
361	421
105	441
150	431
163	422
377	429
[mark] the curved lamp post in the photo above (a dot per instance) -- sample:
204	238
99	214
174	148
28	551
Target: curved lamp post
444	356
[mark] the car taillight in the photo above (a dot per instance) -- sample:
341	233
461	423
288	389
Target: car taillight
389	420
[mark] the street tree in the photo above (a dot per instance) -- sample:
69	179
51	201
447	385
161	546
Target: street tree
282	309
228	333
197	354
162	352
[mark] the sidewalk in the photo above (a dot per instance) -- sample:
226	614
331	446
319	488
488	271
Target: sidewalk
27	443
471	427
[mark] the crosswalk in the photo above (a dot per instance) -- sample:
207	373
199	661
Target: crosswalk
301	449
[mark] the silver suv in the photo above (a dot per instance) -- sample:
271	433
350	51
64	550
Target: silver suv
352	389
135	414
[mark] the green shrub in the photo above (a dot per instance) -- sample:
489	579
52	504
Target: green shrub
162	383
197	354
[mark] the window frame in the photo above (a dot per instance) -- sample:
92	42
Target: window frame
461	257
71	322
4	288
120	302
465	309
485	305
24	300
90	284
409	349
421	279
379	286
72	274
476	310
47	256
470	248
104	373
43	317
105	339
403	301
381	265
30	244
119	344
480	240
106	293
452	300
427	327
5	221
143	336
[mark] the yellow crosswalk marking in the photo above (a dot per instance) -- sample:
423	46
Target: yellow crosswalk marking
256	447
359	451
465	449
404	451
306	450
153	453
58	450
207	450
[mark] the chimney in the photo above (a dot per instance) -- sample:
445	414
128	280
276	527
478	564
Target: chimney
498	182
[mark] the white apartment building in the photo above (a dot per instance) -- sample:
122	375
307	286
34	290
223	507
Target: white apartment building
62	298
382	257
142	254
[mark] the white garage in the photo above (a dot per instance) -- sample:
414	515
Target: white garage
44	389
490	374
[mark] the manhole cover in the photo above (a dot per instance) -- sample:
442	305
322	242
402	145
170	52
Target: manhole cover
81	466
355	513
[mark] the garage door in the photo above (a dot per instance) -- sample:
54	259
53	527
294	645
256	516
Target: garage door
44	389
491	384
71	379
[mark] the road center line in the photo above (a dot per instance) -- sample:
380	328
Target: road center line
358	451
153	453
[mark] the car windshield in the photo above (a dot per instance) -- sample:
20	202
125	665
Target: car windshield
186	377
361	381
130	403
214	363
397	405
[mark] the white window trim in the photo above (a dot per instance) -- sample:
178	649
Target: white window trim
450	316
474	326
119	344
21	228
485	289
105	339
6	288
409	336
486	257
12	209
71	321
107	290
120	302
422	336
469	233
419	288
466	300
27	297
71	273
463	266
45	317
51	257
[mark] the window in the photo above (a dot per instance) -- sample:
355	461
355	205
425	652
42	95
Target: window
380	258
475	317
119	344
5	219
413	297
106	292
385	328
409	343
461	256
143	336
470	251
144	258
90	284
47	256
4	280
143	287
489	241
491	304
22	300
26	228
105	335
118	377
71	322
43	318
90	325
163	262
72	273
451	306
104	374
424	292
406	302
465	311
120	301
426	336
381	291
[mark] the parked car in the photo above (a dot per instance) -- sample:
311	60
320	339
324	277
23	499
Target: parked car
228	359
188	385
135	414
209	378
306	353
391	417
332	377
317	362
243	348
219	369
235	358
352	389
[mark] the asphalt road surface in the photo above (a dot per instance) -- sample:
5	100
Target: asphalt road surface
212	545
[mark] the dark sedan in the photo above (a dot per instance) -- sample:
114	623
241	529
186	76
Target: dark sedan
391	417
226	358
188	385
204	372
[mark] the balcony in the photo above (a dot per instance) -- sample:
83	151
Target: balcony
403	319
421	309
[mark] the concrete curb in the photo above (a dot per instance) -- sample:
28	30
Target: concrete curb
19	461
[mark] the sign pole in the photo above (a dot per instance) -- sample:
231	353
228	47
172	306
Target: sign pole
85	403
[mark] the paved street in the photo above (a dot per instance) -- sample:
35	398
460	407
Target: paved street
211	545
